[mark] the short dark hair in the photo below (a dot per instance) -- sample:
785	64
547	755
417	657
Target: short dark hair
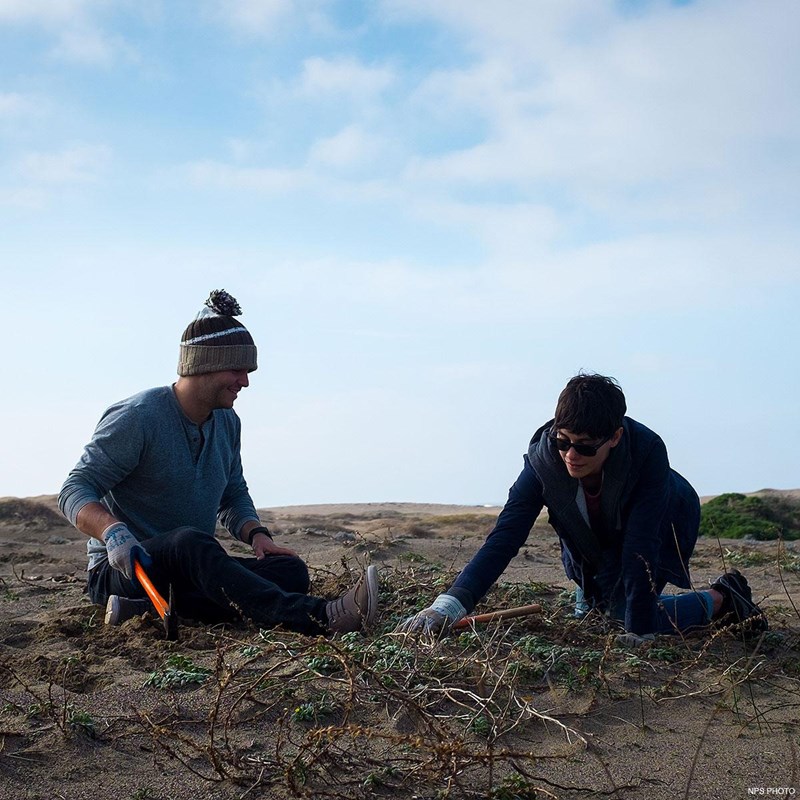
591	404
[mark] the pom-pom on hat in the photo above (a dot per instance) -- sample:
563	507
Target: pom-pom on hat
215	341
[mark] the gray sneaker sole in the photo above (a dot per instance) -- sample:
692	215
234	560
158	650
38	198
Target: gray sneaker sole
371	579
112	610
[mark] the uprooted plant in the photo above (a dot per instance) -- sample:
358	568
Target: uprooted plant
360	716
479	713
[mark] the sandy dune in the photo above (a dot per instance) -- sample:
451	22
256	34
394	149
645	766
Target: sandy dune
543	707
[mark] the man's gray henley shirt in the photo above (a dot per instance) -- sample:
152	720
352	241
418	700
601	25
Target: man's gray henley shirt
156	470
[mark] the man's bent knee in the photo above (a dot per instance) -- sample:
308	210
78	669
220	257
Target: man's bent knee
289	573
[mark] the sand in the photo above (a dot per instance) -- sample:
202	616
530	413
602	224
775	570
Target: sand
541	707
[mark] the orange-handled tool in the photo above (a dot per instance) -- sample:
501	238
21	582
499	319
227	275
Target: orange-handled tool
164	609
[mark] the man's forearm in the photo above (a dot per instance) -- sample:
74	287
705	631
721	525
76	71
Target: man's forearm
247	527
93	519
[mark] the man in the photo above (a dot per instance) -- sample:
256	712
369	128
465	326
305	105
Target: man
162	467
627	524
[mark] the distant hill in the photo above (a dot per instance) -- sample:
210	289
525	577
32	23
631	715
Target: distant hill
31	512
765	514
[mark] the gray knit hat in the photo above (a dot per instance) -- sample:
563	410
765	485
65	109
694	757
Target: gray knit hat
215	341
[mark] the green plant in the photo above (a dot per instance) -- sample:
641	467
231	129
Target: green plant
481	725
90	623
589	661
790	562
520	594
633	661
526	670
515	787
736	516
388	715
413	558
177	671
468	639
569	666
747	558
323	664
668	654
314	708
379	778
566	597
40	710
304	712
389	654
81	722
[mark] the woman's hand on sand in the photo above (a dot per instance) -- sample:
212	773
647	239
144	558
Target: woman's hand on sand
436	620
427	624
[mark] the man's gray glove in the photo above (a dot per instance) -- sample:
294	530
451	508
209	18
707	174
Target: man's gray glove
435	620
633	639
123	547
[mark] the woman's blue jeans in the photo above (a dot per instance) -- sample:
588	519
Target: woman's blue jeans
677	613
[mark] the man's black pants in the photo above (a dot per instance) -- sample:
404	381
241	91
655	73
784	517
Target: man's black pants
211	586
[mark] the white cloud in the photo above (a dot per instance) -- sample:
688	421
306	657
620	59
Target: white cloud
657	272
625	159
251	17
262	179
345	76
240	149
43	11
28	198
270	19
522	30
350	147
491	88
75	25
14	104
608	280
87	45
680	96
512	233
79	164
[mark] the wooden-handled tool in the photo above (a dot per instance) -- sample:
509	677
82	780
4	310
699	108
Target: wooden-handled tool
505	613
165	609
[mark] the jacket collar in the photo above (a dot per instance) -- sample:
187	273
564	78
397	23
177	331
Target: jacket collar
559	490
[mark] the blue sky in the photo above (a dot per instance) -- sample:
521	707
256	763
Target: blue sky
432	214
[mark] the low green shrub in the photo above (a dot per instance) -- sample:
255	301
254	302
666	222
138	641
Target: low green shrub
738	516
176	672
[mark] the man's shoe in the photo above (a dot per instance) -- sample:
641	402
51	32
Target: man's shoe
738	605
120	609
358	608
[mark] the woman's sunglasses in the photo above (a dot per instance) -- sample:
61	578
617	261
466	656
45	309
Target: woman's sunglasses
587	450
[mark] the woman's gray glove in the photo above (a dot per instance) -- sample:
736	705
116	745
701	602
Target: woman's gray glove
435	620
123	547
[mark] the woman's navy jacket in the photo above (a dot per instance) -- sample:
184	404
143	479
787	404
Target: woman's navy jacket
650	514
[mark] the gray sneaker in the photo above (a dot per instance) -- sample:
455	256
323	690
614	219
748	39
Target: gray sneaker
120	609
738	605
358	608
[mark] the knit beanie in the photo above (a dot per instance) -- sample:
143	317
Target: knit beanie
215	341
